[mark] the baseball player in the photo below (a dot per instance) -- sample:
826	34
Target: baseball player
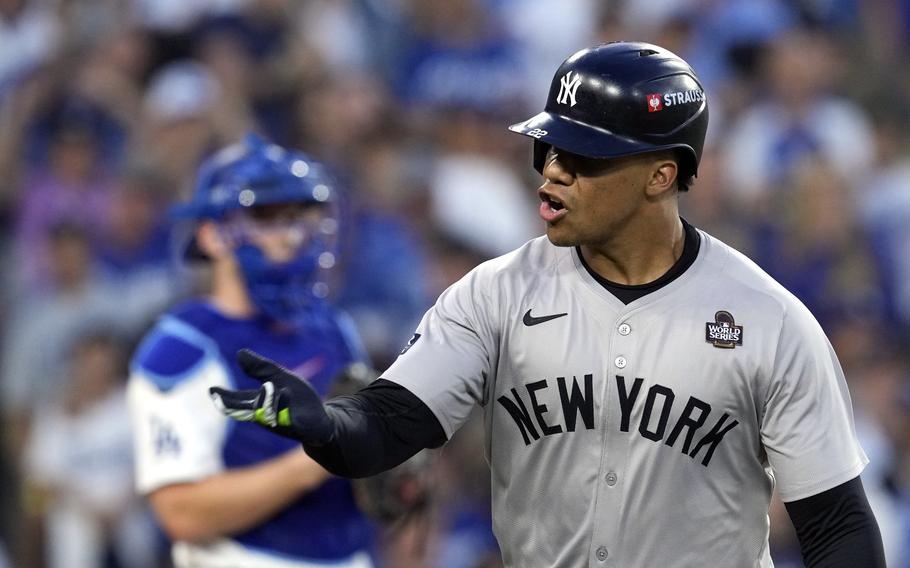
644	386
233	494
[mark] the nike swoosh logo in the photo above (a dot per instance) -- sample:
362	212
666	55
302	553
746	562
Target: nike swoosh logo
530	320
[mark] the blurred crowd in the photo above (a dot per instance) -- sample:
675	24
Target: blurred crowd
108	106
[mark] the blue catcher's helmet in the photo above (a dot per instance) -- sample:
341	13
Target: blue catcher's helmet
252	173
236	181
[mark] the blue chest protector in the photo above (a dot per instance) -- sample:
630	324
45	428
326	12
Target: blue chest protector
324	524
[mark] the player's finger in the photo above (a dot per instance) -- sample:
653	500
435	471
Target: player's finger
239	405
259	367
310	424
282	408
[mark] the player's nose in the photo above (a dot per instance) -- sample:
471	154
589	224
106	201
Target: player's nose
282	246
555	171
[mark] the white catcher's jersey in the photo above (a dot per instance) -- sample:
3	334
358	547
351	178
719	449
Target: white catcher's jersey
180	437
639	435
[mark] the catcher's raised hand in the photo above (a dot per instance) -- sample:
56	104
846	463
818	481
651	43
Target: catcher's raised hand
285	403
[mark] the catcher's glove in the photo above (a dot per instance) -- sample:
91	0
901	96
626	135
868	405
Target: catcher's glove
399	493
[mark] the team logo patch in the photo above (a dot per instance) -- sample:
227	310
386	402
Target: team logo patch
568	85
537	133
411	343
655	103
723	331
165	437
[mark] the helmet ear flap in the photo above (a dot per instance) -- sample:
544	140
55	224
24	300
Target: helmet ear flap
540	155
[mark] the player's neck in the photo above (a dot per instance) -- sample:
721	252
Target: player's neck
641	253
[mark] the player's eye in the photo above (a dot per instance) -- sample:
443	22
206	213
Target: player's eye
284	212
580	165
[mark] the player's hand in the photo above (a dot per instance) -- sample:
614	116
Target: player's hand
285	403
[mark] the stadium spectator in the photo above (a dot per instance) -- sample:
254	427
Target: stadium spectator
70	185
79	469
46	321
29	35
883	201
798	118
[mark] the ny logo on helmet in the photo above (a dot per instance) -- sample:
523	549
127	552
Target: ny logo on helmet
537	133
568	85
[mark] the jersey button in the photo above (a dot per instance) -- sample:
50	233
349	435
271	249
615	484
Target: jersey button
624	329
602	553
612	478
620	362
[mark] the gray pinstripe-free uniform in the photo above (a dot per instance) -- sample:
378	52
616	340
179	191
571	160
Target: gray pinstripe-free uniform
619	435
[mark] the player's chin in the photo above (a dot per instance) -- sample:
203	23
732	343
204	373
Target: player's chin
560	236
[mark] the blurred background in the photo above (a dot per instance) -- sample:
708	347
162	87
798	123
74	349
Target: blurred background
108	106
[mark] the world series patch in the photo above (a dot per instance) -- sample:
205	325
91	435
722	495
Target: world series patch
723	331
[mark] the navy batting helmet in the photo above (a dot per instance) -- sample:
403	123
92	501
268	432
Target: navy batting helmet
618	99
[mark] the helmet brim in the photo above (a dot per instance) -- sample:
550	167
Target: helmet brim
549	129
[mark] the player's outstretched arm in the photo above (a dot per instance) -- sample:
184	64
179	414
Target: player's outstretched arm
836	528
357	435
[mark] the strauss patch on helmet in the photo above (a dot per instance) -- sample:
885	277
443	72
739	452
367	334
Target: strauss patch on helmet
683	97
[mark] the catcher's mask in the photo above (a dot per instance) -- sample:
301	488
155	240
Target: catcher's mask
254	191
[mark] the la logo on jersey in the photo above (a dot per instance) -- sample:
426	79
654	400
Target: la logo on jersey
723	331
568	86
165	436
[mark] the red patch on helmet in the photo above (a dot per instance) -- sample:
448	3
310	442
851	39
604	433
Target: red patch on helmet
655	103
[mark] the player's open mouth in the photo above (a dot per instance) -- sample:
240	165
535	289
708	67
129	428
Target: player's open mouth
551	208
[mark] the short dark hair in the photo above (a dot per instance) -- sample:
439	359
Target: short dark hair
685	172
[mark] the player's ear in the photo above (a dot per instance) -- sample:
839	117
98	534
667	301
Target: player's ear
662	179
210	240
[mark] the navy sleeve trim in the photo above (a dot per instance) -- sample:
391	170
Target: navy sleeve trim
837	529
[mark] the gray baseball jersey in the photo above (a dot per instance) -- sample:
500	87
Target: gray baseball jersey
639	435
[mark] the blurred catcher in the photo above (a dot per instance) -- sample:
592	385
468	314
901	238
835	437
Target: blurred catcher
266	221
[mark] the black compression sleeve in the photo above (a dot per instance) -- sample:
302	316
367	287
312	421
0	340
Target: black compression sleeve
836	528
375	429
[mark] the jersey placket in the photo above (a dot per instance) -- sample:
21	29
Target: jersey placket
606	533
